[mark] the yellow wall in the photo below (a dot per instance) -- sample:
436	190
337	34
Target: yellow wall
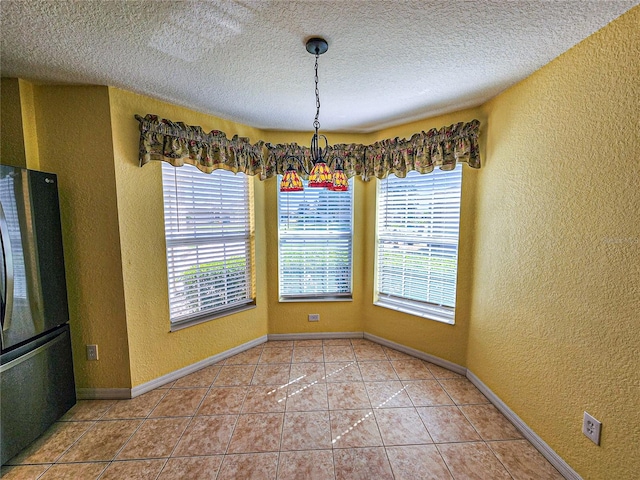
153	349
436	338
555	314
12	139
74	139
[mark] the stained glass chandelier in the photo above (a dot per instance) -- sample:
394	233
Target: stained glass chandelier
321	175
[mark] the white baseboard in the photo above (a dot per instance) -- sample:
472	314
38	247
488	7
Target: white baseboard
103	393
441	362
314	335
177	374
547	452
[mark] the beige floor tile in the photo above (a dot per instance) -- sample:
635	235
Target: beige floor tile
388	394
275	355
139	407
273	374
462	391
87	410
310	372
133	470
411	462
425	393
354	428
304	398
196	468
22	472
102	441
223	401
52	444
340	353
307	354
279	344
523	461
342	372
308	343
201	378
490	423
396	355
179	402
74	471
336	342
361	464
347	396
306	431
472	461
306	465
401	426
440	372
411	370
248	357
254	466
234	375
366	353
447	424
155	438
257	432
377	371
206	436
265	399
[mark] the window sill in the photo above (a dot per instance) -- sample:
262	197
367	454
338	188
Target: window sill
418	312
175	326
315	299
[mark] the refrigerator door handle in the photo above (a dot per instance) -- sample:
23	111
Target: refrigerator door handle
8	267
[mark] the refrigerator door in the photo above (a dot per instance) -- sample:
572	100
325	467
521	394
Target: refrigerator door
36	388
34	298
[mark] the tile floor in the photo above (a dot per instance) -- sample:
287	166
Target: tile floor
310	409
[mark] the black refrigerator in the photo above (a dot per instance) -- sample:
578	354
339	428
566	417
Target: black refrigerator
36	369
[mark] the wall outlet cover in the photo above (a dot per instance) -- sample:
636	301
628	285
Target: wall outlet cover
591	428
92	352
314	317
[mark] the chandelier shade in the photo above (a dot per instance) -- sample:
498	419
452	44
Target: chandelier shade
291	181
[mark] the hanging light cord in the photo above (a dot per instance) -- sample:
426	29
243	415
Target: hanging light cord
316	123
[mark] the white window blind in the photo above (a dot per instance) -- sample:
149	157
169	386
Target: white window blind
208	229
315	243
417	245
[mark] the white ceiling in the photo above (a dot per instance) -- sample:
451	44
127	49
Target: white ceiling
388	62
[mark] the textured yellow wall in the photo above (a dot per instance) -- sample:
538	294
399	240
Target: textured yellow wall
74	139
436	338
555	326
154	350
12	139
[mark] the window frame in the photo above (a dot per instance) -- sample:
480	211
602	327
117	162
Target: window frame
422	308
242	238
326	296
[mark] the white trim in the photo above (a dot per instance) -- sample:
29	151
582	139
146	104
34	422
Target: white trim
314	335
547	452
441	362
103	393
177	374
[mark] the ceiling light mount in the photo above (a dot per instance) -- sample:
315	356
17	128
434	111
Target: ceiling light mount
317	46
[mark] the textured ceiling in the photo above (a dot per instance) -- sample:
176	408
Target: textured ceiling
388	62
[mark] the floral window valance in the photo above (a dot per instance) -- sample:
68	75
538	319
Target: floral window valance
177	143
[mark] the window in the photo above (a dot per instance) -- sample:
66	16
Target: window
209	233
417	244
315	229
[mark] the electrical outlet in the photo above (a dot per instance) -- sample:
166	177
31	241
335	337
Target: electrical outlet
92	352
314	317
591	428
